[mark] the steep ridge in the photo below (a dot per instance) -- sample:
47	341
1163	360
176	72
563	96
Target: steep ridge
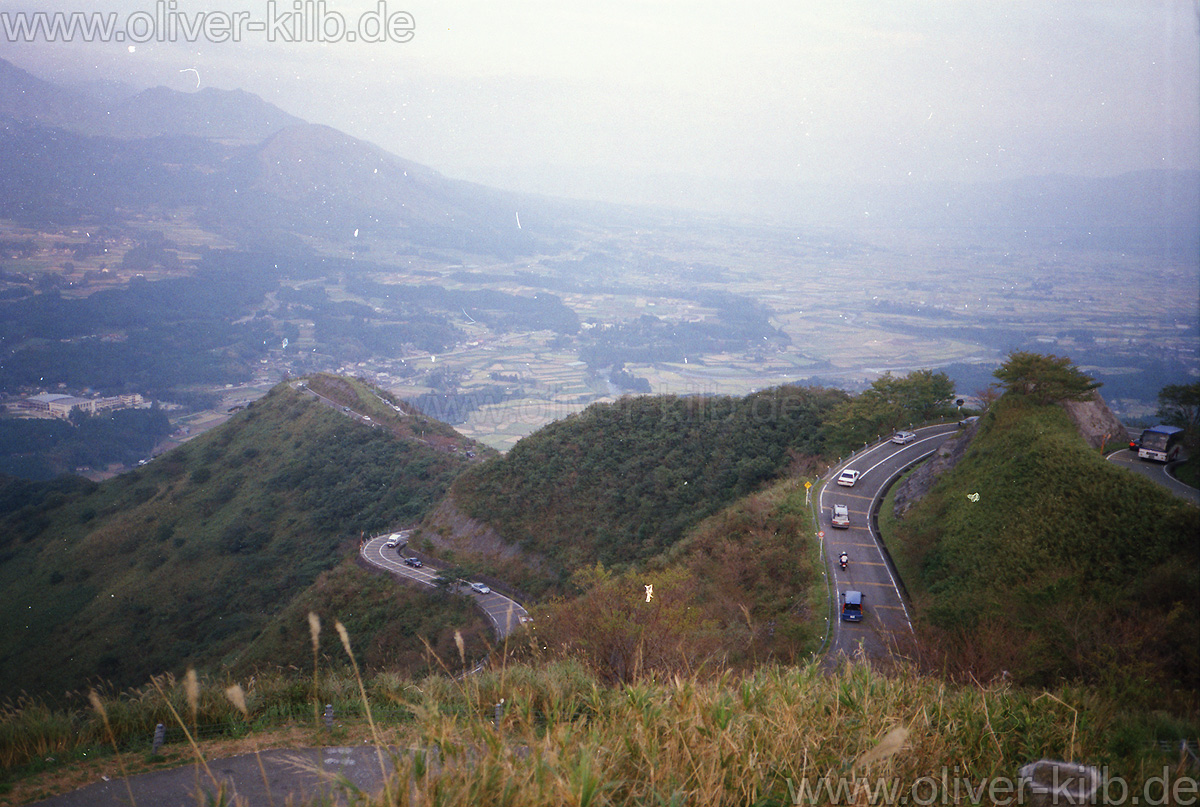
210	554
234	116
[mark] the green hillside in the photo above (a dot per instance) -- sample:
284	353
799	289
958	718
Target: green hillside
1064	566
742	588
190	558
622	482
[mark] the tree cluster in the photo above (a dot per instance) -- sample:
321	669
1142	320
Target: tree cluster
1179	405
1044	379
891	403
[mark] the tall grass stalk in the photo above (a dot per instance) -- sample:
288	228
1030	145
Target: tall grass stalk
183	725
345	637
314	631
237	696
98	705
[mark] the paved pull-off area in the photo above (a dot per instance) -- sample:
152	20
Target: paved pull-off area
294	776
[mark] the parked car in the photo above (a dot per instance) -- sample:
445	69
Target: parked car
841	516
852	606
848	478
903	438
480	588
413	562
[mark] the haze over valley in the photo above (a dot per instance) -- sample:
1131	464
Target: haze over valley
275	247
596	363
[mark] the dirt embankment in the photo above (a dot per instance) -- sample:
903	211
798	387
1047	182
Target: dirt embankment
1096	422
922	480
448	528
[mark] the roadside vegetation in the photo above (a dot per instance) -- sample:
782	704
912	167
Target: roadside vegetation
744	587
1179	405
1035	560
699	738
891	403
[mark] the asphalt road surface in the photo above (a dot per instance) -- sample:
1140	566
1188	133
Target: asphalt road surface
886	617
506	614
1156	472
294	776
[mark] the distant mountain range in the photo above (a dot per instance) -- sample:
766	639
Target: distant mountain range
112	111
252	171
240	165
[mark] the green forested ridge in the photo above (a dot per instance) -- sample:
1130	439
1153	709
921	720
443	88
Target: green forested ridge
212	554
187	559
621	482
1066	566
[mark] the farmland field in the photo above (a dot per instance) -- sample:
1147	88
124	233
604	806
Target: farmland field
683	307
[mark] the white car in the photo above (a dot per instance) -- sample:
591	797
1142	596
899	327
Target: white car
903	438
848	478
480	588
841	516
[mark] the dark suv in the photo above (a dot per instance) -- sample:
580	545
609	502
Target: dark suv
413	562
852	606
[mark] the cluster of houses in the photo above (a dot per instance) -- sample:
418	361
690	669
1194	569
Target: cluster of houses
57	405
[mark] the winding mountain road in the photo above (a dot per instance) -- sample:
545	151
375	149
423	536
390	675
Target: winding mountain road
506	614
1157	472
870	571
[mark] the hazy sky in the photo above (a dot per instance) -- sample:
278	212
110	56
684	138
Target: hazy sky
612	99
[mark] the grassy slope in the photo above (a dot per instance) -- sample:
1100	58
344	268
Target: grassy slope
620	483
742	588
1066	566
186	560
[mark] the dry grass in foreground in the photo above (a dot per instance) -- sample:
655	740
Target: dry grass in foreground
563	737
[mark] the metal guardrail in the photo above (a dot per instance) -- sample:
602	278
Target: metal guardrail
1189	750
